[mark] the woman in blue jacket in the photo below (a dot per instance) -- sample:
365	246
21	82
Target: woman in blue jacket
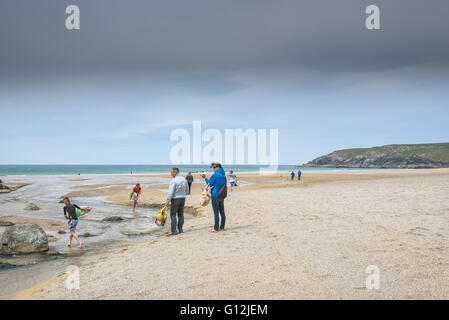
217	182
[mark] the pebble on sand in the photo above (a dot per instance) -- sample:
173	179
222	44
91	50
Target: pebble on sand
32	207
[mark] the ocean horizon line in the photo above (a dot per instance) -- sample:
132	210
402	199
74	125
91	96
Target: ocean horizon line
65	169
78	169
130	164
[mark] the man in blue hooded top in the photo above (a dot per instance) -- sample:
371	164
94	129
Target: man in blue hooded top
217	182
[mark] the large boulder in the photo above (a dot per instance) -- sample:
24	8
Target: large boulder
28	238
32	207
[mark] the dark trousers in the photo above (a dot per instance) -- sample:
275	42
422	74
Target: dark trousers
177	214
218	206
190	185
299	178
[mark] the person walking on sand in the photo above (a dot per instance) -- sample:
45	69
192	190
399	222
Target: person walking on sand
70	214
293	175
189	179
177	192
217	183
299	174
138	191
232	179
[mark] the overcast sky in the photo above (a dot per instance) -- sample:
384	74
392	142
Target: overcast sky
113	91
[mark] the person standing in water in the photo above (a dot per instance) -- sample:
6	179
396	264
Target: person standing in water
232	179
138	191
70	214
189	179
293	175
177	192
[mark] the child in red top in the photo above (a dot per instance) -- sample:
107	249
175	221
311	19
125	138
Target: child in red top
138	191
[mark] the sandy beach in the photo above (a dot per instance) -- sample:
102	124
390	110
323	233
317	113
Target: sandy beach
285	240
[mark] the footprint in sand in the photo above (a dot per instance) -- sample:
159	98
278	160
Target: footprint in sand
415	231
438	249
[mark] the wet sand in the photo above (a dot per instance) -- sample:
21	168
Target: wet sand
19	272
286	240
12	187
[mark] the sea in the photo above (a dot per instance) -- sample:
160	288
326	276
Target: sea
57	169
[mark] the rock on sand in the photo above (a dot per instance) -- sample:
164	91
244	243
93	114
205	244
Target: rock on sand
24	239
32	207
113	219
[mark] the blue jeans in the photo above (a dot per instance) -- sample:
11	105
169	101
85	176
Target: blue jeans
218	206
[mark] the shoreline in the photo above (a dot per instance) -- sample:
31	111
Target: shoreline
295	167
202	214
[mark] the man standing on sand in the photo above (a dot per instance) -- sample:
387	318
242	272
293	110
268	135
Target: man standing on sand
177	192
299	174
293	175
217	183
138	191
189	179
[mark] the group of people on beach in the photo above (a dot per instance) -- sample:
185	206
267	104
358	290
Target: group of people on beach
179	188
292	174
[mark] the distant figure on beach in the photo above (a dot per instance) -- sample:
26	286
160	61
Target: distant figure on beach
293	175
189	179
217	183
232	179
299	174
177	192
138	191
70	214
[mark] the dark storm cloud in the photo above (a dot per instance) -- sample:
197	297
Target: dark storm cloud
212	35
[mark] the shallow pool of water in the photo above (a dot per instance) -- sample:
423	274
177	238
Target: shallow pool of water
100	237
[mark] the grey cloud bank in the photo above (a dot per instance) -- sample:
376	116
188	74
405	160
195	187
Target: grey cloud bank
216	35
137	69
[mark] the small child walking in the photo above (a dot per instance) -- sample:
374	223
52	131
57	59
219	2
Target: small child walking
138	191
70	214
